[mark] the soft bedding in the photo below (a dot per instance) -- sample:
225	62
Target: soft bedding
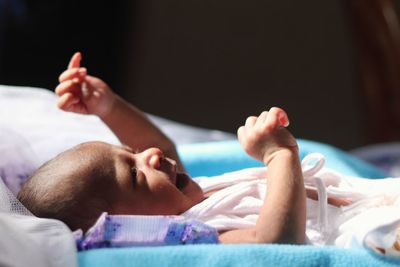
221	156
30	121
234	255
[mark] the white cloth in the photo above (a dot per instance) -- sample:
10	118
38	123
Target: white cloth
30	241
237	202
240	196
35	242
32	114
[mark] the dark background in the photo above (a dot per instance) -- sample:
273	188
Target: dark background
207	63
38	38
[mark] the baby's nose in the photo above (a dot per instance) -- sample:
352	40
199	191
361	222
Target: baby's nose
154	156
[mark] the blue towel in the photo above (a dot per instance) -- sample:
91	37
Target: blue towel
233	255
218	157
214	158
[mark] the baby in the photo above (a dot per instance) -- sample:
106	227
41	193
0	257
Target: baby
145	177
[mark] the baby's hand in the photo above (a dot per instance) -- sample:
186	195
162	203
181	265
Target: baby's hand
80	93
263	136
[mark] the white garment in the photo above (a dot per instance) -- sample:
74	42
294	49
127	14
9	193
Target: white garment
240	196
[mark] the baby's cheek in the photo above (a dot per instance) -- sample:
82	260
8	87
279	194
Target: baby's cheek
196	193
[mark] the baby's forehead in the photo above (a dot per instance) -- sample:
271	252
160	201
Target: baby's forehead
93	146
88	154
102	147
94	160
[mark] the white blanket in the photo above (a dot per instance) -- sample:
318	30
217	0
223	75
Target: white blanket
32	113
370	221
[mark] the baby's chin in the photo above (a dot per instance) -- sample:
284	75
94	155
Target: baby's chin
189	188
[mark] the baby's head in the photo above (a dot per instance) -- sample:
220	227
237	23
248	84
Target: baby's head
81	183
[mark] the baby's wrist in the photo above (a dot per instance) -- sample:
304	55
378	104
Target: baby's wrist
108	106
279	153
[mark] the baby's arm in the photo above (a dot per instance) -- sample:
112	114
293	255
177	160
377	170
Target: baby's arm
81	93
282	217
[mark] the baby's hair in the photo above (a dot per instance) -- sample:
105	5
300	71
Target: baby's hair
72	187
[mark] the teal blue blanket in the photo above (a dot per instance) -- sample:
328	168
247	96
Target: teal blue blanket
233	255
219	157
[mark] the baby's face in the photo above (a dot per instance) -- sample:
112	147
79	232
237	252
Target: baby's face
148	183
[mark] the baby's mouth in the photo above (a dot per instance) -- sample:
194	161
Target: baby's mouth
182	180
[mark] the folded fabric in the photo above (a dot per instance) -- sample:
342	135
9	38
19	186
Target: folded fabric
240	197
140	230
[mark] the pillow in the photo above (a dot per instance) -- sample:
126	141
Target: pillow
30	241
17	160
32	113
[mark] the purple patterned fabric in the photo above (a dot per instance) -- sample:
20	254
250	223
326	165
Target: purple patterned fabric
137	230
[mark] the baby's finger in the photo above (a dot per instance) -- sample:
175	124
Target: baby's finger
75	61
240	134
249	125
250	121
278	117
272	121
261	119
69	86
69	74
67	100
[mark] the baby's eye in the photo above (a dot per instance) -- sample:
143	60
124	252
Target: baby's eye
134	174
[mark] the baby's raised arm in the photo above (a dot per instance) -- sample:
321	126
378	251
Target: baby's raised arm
81	93
282	217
